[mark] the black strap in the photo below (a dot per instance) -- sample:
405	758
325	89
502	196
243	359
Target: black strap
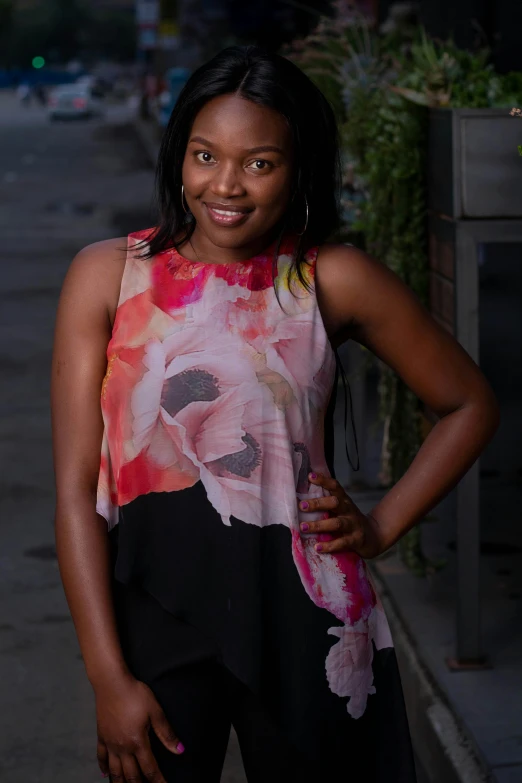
346	384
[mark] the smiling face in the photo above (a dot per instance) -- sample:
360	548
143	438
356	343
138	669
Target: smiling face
239	159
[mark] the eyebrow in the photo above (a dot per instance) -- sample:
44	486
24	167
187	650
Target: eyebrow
261	148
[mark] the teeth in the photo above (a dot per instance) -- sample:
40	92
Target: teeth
223	212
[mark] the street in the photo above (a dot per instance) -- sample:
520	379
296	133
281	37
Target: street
62	186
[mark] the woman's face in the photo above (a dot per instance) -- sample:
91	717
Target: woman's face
238	159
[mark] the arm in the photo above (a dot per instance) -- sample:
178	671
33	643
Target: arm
125	707
364	300
83	329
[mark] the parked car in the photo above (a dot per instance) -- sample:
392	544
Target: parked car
99	87
74	100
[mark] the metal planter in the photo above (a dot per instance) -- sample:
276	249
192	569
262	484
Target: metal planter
474	166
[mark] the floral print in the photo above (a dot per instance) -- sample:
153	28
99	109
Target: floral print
210	378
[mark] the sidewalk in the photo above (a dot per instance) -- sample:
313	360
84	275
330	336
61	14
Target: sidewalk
466	726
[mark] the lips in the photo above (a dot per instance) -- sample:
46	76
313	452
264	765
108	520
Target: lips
227	216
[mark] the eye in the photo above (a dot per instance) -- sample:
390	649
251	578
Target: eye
203	153
267	163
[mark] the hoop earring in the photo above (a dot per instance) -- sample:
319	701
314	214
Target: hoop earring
187	211
300	234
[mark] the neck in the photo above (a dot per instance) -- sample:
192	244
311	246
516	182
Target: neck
210	253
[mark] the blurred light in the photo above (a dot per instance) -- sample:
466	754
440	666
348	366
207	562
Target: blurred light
38	62
79	103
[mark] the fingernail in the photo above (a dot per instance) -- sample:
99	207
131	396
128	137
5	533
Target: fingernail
313	475
318	547
305	527
326	516
304	504
181	747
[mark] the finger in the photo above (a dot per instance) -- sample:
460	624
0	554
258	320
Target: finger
102	754
329	483
115	769
341	544
332	485
328	525
165	732
328	502
131	770
148	764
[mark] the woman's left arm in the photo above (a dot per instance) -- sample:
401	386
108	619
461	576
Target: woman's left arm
362	299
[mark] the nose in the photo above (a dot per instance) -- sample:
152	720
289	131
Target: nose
227	182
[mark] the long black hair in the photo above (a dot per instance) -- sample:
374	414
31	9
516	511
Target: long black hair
267	79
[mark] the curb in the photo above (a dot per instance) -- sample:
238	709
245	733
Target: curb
441	742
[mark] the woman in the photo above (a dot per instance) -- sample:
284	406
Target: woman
214	568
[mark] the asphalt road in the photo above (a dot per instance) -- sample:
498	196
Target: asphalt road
62	186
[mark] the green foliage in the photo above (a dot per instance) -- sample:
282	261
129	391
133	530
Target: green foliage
380	87
440	74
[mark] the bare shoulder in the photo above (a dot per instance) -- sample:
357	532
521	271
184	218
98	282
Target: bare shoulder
350	267
95	273
353	288
103	261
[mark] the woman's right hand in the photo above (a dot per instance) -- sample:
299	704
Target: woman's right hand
126	709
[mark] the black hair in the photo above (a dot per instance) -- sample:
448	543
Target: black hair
267	79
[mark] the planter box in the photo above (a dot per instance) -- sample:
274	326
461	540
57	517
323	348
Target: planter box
474	167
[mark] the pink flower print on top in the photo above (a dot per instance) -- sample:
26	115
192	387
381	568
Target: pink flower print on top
179	372
339	583
255	276
211	378
199	412
254	481
349	666
177	282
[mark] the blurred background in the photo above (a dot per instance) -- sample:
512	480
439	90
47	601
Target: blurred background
428	97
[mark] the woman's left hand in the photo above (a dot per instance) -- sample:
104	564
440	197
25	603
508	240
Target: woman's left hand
353	531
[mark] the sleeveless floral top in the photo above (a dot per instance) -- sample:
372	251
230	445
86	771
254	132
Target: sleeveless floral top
211	379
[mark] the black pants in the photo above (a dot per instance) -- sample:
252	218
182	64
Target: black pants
202	700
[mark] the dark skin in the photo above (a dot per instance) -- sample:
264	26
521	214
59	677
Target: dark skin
391	322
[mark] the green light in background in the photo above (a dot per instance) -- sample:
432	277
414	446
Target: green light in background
38	62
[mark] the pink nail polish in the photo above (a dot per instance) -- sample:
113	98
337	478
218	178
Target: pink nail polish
326	515
304	505
318	547
313	475
181	747
305	527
